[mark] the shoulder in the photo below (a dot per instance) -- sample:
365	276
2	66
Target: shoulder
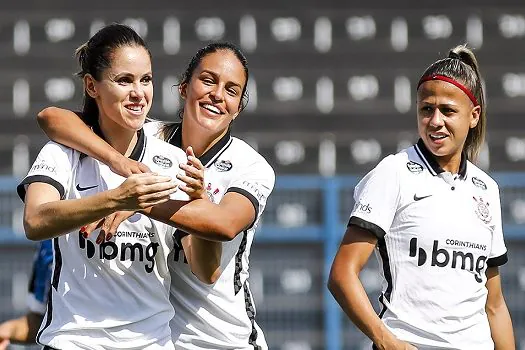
52	146
159	150
481	179
153	127
393	162
58	154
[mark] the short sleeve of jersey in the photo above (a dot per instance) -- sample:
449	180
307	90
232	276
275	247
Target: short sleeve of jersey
40	278
376	198
498	251
53	165
255	182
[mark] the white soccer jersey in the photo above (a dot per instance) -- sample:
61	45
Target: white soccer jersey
437	234
222	315
114	295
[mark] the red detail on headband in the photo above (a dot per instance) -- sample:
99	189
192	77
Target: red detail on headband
451	81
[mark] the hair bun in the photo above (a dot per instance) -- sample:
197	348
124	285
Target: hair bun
454	55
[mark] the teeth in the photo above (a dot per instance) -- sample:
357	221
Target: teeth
212	109
438	136
134	108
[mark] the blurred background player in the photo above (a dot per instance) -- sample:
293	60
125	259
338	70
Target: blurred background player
434	219
239	181
23	329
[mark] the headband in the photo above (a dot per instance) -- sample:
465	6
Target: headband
451	81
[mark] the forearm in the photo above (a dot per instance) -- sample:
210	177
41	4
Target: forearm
199	217
351	296
205	258
64	126
501	327
55	218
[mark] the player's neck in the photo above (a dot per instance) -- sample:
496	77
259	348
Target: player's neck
450	163
200	139
121	139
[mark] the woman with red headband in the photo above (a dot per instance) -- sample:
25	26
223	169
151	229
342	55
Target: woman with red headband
434	221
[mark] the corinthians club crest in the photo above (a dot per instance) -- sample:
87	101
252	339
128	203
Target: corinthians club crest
482	210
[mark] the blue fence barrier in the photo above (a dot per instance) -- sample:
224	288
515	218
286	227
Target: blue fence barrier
309	210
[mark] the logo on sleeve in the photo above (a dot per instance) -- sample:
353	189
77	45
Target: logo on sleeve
414	167
479	183
42	166
223	165
255	189
363	208
163	162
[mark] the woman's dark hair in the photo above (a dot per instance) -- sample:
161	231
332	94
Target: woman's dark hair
462	66
95	55
168	128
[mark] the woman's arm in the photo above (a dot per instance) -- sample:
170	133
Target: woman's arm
344	284
207	220
46	216
204	257
22	330
66	127
497	313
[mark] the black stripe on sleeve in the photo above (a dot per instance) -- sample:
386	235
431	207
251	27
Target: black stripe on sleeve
498	260
367	225
250	197
21	188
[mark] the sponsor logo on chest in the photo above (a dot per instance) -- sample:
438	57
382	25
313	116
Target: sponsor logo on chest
212	192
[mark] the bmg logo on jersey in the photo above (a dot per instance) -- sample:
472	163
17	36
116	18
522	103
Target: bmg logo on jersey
126	251
442	257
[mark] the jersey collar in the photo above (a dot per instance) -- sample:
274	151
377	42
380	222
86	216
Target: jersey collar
432	165
209	156
140	146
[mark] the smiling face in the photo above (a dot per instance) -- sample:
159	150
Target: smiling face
124	92
214	92
445	115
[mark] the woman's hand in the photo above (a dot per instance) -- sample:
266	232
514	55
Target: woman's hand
193	177
141	191
396	344
108	226
125	166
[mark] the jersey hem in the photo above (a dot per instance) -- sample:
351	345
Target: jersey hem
498	260
21	188
367	225
250	197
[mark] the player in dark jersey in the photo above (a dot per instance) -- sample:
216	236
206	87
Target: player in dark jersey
23	329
